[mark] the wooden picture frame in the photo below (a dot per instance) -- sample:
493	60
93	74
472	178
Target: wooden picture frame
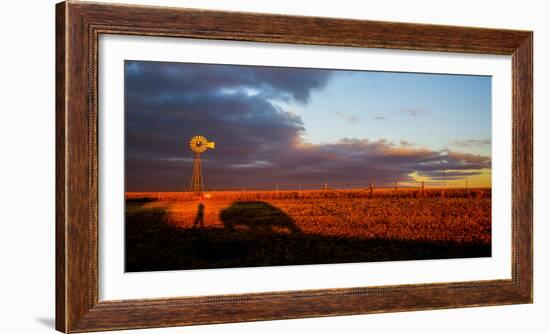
78	26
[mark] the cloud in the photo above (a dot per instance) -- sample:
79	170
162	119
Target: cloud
472	143
413	112
441	175
350	118
258	142
165	81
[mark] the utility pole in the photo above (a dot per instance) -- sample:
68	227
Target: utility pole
444	182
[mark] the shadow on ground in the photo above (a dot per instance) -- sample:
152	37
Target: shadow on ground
260	218
259	234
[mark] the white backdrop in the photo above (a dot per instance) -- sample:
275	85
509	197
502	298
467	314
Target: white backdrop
115	284
27	169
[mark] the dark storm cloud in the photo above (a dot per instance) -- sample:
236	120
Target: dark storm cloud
160	81
258	143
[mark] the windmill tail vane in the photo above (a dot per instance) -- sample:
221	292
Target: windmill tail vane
198	144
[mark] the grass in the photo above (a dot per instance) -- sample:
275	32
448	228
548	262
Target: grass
172	231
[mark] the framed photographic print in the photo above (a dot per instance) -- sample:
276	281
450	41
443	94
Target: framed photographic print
222	166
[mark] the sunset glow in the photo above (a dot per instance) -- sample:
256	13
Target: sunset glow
279	126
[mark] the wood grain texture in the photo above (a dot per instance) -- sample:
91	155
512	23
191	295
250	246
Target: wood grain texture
60	180
522	165
78	27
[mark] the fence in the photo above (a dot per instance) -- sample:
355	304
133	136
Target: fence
369	186
396	189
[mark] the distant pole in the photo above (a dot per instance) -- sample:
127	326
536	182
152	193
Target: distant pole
444	182
277	189
396	186
371	188
422	188
466	182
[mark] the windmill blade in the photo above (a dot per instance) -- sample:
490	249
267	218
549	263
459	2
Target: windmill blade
198	144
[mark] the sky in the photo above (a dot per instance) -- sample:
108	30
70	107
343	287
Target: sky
302	127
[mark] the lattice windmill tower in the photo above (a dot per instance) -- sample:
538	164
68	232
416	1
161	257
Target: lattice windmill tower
199	145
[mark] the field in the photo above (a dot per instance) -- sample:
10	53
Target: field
174	231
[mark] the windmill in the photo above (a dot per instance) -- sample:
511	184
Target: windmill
199	145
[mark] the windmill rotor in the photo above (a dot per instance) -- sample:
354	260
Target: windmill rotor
199	144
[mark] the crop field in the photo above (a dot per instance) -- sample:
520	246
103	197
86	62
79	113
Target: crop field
175	231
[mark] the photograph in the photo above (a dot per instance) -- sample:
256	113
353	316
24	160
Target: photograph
230	166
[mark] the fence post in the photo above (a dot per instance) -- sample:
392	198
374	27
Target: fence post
371	188
444	182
